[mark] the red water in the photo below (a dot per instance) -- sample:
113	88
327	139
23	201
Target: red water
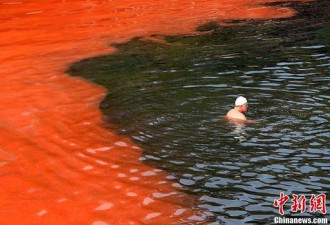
58	164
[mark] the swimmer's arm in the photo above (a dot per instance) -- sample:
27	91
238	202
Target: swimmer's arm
251	121
226	118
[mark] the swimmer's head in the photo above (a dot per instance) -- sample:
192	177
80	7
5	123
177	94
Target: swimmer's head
241	104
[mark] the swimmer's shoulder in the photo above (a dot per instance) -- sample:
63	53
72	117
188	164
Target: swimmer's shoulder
235	115
230	112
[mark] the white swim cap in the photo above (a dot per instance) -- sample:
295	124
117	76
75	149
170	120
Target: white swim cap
240	101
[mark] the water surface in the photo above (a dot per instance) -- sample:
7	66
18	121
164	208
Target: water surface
170	99
59	164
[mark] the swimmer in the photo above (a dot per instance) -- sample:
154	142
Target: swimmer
237	113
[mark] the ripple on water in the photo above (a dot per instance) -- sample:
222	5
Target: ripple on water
104	206
99	223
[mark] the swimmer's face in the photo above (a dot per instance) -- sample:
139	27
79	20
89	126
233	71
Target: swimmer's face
243	108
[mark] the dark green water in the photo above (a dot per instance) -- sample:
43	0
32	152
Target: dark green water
171	99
